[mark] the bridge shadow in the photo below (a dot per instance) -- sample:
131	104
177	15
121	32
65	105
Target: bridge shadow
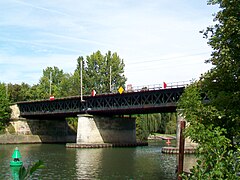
116	130
52	131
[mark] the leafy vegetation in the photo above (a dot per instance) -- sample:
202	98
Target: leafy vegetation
214	125
26	173
73	123
4	107
216	159
164	123
221	83
96	72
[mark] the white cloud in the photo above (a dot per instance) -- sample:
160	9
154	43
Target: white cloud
38	34
19	68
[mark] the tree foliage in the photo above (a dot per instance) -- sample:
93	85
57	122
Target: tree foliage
26	173
97	72
216	160
4	103
4	106
53	76
215	125
19	92
165	123
222	82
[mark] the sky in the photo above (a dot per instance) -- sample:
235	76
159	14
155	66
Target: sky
158	40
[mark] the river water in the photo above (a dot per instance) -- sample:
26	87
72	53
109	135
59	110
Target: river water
145	162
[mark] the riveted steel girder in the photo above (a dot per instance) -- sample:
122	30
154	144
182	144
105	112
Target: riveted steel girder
163	100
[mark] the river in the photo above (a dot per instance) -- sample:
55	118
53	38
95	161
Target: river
146	162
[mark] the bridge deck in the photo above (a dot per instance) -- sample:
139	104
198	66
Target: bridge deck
148	101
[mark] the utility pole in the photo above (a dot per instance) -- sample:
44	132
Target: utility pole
50	83
110	79
6	90
81	96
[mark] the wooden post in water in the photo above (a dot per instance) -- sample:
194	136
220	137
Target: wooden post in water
181	150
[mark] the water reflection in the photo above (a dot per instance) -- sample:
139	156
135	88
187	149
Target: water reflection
88	162
125	163
106	163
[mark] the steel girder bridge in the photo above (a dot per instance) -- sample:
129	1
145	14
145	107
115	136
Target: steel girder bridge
140	102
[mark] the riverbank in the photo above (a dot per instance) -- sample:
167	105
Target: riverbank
171	148
161	137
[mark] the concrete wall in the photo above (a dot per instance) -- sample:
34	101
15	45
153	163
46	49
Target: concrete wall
96	129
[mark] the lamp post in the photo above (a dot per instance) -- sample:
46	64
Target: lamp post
81	94
50	93
6	90
110	79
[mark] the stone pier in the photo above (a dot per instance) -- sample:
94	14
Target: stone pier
98	132
96	129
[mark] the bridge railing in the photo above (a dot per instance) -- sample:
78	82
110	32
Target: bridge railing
178	84
157	86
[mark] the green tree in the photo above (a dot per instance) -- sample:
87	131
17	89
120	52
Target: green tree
4	103
97	71
113	61
222	82
43	88
215	125
155	123
4	106
35	92
13	91
215	159
142	131
171	125
19	92
25	92
67	86
76	89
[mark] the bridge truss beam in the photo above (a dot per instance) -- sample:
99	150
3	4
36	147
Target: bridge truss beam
164	100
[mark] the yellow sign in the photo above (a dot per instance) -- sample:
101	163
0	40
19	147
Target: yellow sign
120	90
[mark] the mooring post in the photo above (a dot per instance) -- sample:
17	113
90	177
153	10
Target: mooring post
181	150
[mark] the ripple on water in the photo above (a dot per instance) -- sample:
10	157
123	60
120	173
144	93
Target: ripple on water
107	163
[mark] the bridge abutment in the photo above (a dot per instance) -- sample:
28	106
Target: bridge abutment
22	130
37	131
99	130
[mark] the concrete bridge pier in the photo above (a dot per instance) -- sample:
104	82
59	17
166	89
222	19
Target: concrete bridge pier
95	130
